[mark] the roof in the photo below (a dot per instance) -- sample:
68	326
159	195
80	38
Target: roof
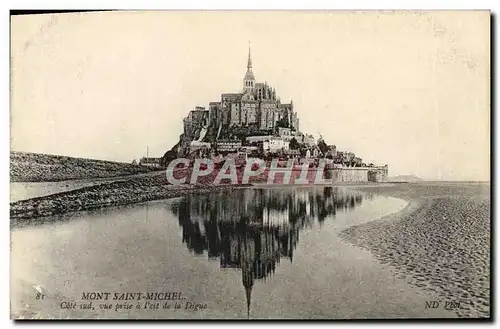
229	141
231	95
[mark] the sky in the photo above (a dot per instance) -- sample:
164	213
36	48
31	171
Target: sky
406	89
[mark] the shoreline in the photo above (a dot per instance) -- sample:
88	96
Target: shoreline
100	196
123	192
140	188
440	242
95	194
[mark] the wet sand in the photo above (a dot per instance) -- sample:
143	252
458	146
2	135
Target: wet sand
440	242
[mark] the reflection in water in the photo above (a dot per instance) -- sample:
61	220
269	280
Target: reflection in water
251	229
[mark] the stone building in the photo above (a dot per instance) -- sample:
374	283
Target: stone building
256	105
196	119
228	146
150	162
276	144
309	140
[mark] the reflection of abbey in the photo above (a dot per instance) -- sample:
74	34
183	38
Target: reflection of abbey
256	227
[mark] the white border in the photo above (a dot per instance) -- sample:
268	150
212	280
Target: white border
255	4
179	4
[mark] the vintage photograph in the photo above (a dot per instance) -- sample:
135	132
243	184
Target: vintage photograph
243	165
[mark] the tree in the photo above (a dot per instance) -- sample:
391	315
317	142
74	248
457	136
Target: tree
322	146
294	144
282	123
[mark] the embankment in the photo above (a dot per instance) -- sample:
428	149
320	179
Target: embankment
34	167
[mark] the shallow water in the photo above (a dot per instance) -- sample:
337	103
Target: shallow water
23	190
249	253
27	190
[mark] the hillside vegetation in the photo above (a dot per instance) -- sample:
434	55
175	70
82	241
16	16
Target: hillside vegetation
34	167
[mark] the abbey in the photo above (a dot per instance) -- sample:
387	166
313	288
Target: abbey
256	105
255	110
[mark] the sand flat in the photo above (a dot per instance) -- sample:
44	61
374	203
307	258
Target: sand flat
440	242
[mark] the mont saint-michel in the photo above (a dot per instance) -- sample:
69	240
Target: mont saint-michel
252	115
161	168
256	122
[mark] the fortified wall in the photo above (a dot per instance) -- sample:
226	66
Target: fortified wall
358	174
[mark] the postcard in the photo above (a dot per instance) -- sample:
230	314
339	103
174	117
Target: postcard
250	165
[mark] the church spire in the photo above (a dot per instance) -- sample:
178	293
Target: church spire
249	65
249	79
248	293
